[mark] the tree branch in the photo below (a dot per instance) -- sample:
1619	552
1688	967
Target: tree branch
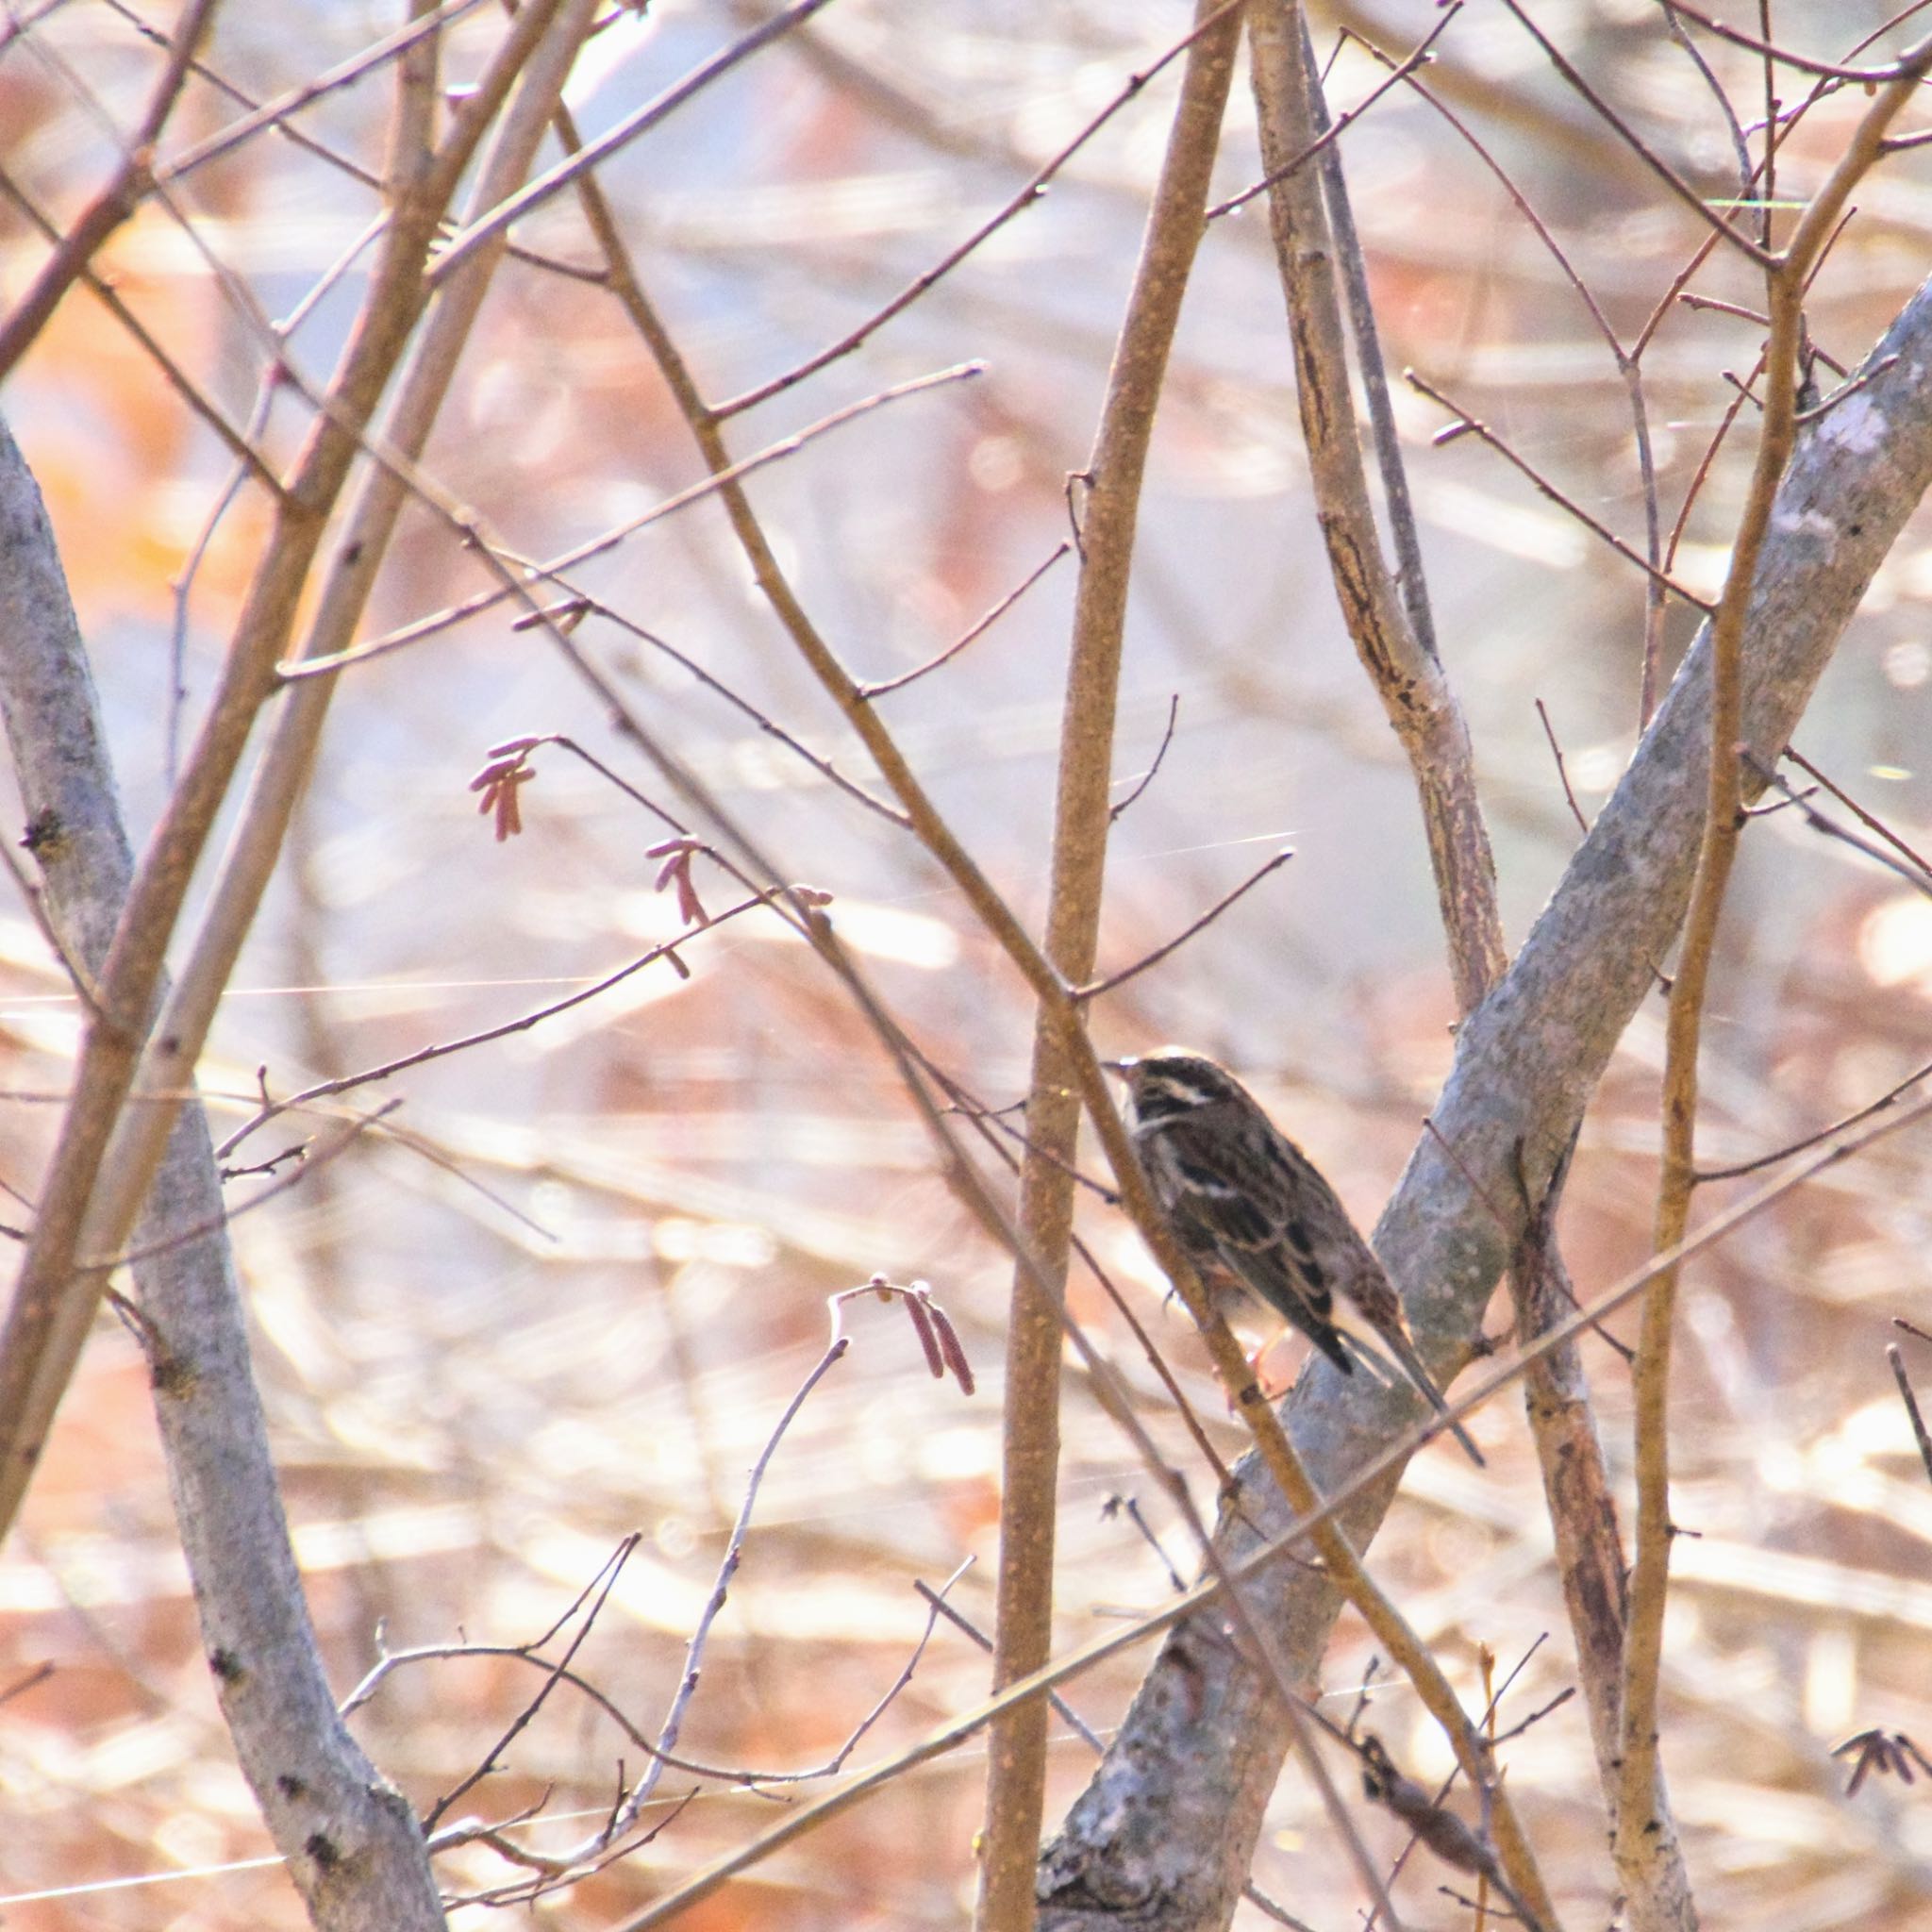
1024	1630
1420	704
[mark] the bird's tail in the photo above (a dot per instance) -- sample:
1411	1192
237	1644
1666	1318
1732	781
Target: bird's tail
1398	1345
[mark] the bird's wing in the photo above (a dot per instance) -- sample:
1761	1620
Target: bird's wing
1236	1200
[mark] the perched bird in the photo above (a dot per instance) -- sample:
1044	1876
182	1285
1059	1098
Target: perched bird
1254	1213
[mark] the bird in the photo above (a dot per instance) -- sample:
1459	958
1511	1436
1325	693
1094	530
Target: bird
1255	1214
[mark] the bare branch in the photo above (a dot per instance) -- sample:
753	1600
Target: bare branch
1096	987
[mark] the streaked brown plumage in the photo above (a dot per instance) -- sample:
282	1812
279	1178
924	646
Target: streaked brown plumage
1254	1212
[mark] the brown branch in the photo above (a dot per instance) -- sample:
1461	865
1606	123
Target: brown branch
1023	1631
1416	696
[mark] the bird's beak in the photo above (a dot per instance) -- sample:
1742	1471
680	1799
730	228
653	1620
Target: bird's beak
1123	1067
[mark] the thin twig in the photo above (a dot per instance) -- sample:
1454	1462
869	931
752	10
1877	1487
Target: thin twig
1467	425
1030	191
1862	76
312	1160
1690	299
674	1720
1129	1506
1914	873
1741	150
541	572
1147	777
1095	988
1869	820
1823	407
1911	1403
613	1569
1644	150
582	602
441	1049
344	73
1851	1120
1419	56
593	153
1563	771
21	1686
882	686
176	377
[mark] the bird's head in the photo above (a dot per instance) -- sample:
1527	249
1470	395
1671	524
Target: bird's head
1170	1081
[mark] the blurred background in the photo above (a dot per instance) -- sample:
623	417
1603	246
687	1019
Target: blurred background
568	1290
